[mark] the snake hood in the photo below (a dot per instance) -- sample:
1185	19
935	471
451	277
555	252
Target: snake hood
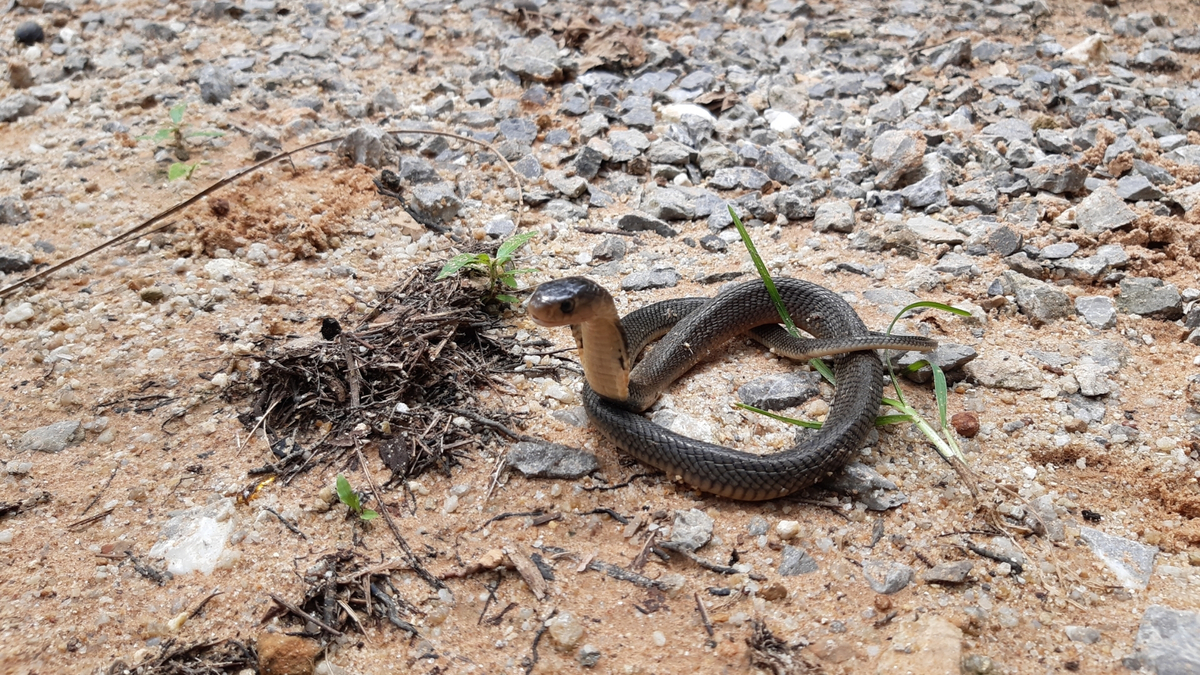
584	305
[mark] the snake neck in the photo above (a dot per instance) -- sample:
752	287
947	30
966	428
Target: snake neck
604	354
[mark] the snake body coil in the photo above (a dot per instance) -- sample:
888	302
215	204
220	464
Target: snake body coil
694	329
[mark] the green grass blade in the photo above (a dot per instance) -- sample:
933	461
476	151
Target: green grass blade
177	113
368	514
939	392
509	281
180	170
824	369
512	300
766	276
509	247
800	423
884	420
346	493
926	303
204	134
458	262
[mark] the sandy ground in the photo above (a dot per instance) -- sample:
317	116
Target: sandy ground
73	607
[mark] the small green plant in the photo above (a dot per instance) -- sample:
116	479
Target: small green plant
350	498
944	441
175	134
499	268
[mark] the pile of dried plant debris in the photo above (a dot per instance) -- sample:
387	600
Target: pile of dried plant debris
202	658
400	376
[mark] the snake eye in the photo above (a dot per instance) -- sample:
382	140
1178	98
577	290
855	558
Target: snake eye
567	306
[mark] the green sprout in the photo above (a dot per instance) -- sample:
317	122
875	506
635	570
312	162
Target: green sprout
499	268
943	439
175	134
350	498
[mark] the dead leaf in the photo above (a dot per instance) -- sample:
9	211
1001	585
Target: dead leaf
528	571
615	47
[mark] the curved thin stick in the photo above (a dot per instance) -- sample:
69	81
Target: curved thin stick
148	223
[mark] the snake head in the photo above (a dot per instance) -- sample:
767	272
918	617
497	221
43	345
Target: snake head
567	301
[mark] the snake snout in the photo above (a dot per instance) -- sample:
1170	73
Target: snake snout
562	302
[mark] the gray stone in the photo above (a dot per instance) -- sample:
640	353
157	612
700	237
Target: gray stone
684	425
1001	370
1188	197
782	167
929	191
714	157
776	392
957	265
16	106
796	561
640	222
14	260
948	356
437	201
1043	519
887	577
1092	377
742	177
570	186
1103	210
934	231
758	526
641	281
587	162
669	204
612	248
691	529
669	152
1058	251
980	193
216	84
535	59
895	153
865	484
1054	141
550	460
565	211
1156	174
415	170
529	167
889	300
1131	562
1010	129
1039	301
1150	297
1097	310
1156	59
837	216
627	144
949	573
52	438
1055	174
1085	634
1136	187
795	205
713	244
1168	641
1004	241
1021	263
371	146
574	416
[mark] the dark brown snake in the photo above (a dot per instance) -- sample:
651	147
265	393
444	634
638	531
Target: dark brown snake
692	330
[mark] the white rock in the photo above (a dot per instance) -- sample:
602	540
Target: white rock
780	121
194	540
224	269
1091	50
677	111
21	312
